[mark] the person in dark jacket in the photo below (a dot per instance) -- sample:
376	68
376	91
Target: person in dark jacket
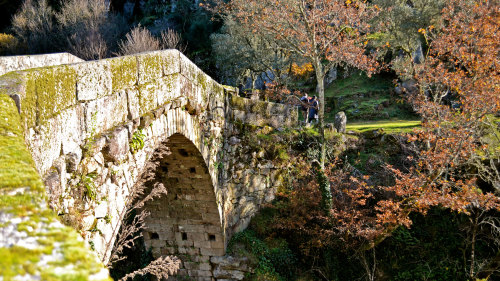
304	106
313	110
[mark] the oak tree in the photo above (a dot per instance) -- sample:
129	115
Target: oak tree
327	33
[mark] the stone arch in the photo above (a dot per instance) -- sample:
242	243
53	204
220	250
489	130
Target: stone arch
186	221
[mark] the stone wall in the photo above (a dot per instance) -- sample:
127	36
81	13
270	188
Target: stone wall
251	174
34	245
99	130
15	63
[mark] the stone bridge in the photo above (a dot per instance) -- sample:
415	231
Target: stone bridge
96	132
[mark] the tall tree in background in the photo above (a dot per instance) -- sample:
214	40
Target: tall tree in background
458	98
240	53
327	33
399	22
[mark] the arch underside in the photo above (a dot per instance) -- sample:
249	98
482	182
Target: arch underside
186	221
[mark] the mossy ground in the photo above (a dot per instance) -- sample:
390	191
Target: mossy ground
363	98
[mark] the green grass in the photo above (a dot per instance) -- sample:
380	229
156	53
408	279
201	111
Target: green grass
389	126
366	98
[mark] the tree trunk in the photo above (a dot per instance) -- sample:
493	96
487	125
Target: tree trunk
473	245
320	77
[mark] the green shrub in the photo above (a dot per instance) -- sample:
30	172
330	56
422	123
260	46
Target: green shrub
8	44
137	141
273	259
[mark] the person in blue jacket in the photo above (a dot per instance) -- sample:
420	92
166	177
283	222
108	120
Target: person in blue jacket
313	110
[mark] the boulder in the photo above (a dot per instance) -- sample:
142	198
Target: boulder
409	86
117	145
340	122
73	159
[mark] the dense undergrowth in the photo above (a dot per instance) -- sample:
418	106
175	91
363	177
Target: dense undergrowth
294	238
432	249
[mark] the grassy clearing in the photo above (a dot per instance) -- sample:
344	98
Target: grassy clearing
389	126
358	84
366	98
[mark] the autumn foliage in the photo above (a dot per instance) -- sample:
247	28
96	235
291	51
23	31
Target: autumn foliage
457	99
456	152
324	33
455	155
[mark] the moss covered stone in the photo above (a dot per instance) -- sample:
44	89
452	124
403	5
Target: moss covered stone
123	72
238	102
148	97
262	108
17	168
150	67
55	90
47	250
16	84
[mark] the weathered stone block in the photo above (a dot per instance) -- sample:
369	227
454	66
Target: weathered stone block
123	72
212	252
148	94
93	79
53	186
45	143
169	89
73	159
217	244
20	86
199	273
117	145
73	131
150	66
228	274
105	113
171	61
49	91
188	68
189	250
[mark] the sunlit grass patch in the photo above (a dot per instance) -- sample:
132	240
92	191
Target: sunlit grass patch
389	126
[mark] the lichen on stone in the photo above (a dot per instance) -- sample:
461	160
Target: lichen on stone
55	89
238	102
147	97
150	67
123	72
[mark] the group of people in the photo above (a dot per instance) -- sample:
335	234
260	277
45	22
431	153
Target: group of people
309	107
